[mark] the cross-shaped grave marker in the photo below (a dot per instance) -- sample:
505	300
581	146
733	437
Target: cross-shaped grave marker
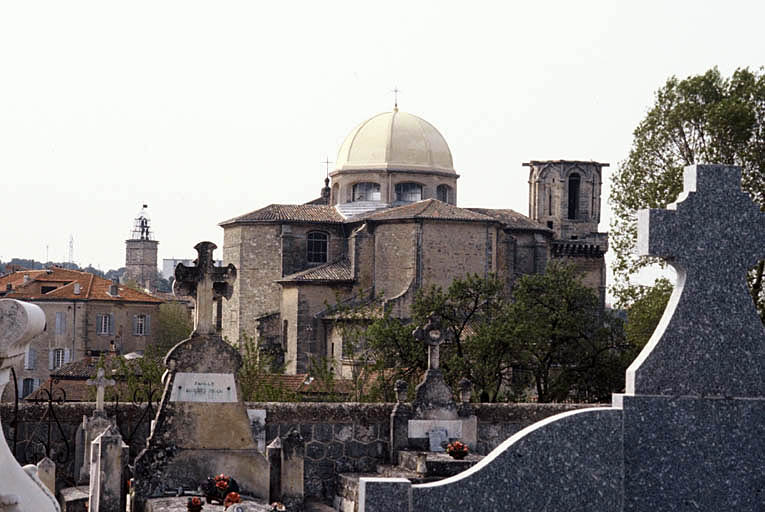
101	382
432	334
711	236
206	282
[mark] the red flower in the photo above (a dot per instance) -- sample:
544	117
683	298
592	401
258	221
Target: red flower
196	501
221	484
231	498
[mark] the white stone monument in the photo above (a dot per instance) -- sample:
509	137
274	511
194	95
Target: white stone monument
19	323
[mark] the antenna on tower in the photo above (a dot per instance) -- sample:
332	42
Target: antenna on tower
71	251
141	226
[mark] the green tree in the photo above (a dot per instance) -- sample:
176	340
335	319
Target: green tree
645	308
174	324
256	378
704	118
572	349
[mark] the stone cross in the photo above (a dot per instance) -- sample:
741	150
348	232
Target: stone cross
710	341
206	282
101	382
432	334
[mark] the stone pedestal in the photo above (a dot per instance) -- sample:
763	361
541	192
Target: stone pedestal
109	456
91	427
46	472
292	470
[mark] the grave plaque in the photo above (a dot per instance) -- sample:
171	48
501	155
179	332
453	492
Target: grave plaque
204	387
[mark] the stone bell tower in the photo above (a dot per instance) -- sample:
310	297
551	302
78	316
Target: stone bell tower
141	253
564	195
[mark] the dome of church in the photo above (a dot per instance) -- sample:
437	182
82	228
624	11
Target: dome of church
395	141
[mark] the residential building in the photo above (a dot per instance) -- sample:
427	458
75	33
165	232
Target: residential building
85	314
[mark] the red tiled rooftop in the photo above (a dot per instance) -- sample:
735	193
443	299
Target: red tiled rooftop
289	213
92	287
335	271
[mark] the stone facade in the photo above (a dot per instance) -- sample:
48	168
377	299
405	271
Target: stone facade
389	227
141	262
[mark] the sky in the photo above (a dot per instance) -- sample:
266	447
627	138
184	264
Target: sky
208	110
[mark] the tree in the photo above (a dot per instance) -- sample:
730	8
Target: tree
570	347
702	119
173	325
647	305
256	377
553	330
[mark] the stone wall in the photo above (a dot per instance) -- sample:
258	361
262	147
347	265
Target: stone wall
255	251
339	437
451	250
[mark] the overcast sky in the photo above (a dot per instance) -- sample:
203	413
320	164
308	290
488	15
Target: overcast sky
208	110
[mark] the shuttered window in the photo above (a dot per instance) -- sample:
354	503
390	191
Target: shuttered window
60	322
141	325
105	324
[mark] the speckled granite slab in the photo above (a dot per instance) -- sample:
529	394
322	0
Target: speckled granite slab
694	454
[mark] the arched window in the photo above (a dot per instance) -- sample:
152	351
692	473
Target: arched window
366	192
408	192
443	193
573	196
316	247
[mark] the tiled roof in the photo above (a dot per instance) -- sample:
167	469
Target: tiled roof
87	367
72	379
289	213
429	209
339	270
92	287
511	219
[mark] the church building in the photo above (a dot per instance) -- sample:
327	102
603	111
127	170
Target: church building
387	224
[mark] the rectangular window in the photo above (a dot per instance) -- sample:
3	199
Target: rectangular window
28	387
60	322
139	325
317	247
30	358
104	324
58	358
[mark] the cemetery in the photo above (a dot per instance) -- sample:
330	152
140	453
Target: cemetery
688	433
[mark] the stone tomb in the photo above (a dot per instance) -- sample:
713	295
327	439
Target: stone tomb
435	419
689	433
202	427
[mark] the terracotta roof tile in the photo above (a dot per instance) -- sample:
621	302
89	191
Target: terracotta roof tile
511	219
92	287
289	213
335	271
428	209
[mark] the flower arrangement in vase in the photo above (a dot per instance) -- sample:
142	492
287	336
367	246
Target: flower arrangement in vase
217	488
457	450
